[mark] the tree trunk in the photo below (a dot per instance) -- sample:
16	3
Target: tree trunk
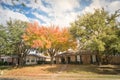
99	59
52	61
51	53
0	57
21	60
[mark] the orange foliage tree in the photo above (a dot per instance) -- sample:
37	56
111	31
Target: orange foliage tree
52	38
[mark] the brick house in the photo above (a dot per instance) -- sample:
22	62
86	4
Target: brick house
76	57
9	59
86	57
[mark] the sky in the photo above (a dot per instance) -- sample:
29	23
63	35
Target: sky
51	12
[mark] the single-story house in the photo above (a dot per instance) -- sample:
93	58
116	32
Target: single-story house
66	57
9	59
29	59
76	57
34	59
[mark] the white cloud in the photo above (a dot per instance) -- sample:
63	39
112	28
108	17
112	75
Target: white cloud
12	2
65	19
7	2
60	12
63	5
34	20
43	18
62	20
94	5
38	5
110	6
114	6
6	14
63	11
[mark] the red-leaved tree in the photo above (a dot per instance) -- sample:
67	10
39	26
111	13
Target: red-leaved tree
50	38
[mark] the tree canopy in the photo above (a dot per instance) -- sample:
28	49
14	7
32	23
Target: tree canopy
11	41
97	31
50	38
3	38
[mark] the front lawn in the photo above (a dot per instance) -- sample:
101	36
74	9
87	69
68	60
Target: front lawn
63	71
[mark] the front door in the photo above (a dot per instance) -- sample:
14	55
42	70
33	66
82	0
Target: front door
68	58
63	60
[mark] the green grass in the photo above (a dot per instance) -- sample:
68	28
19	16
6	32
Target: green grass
6	67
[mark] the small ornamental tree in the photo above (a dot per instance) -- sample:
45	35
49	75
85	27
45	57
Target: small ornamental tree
52	38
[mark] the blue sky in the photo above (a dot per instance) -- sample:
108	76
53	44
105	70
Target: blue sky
47	12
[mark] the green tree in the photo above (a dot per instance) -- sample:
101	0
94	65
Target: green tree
3	37
96	31
11	35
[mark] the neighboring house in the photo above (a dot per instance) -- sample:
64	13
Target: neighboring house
34	59
29	60
9	59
